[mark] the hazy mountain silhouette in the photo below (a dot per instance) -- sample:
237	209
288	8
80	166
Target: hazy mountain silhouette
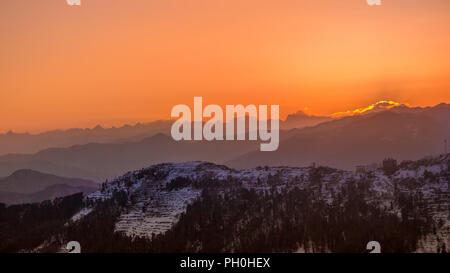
30	181
32	143
27	186
400	132
25	143
300	120
99	161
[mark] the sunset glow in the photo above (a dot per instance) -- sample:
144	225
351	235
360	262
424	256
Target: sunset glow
116	62
381	104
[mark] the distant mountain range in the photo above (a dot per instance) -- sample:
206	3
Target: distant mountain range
301	120
31	143
101	161
364	137
400	132
25	143
28	186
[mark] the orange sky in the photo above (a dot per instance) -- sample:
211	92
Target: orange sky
111	62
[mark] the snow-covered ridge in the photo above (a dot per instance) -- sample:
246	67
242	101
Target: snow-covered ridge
152	208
